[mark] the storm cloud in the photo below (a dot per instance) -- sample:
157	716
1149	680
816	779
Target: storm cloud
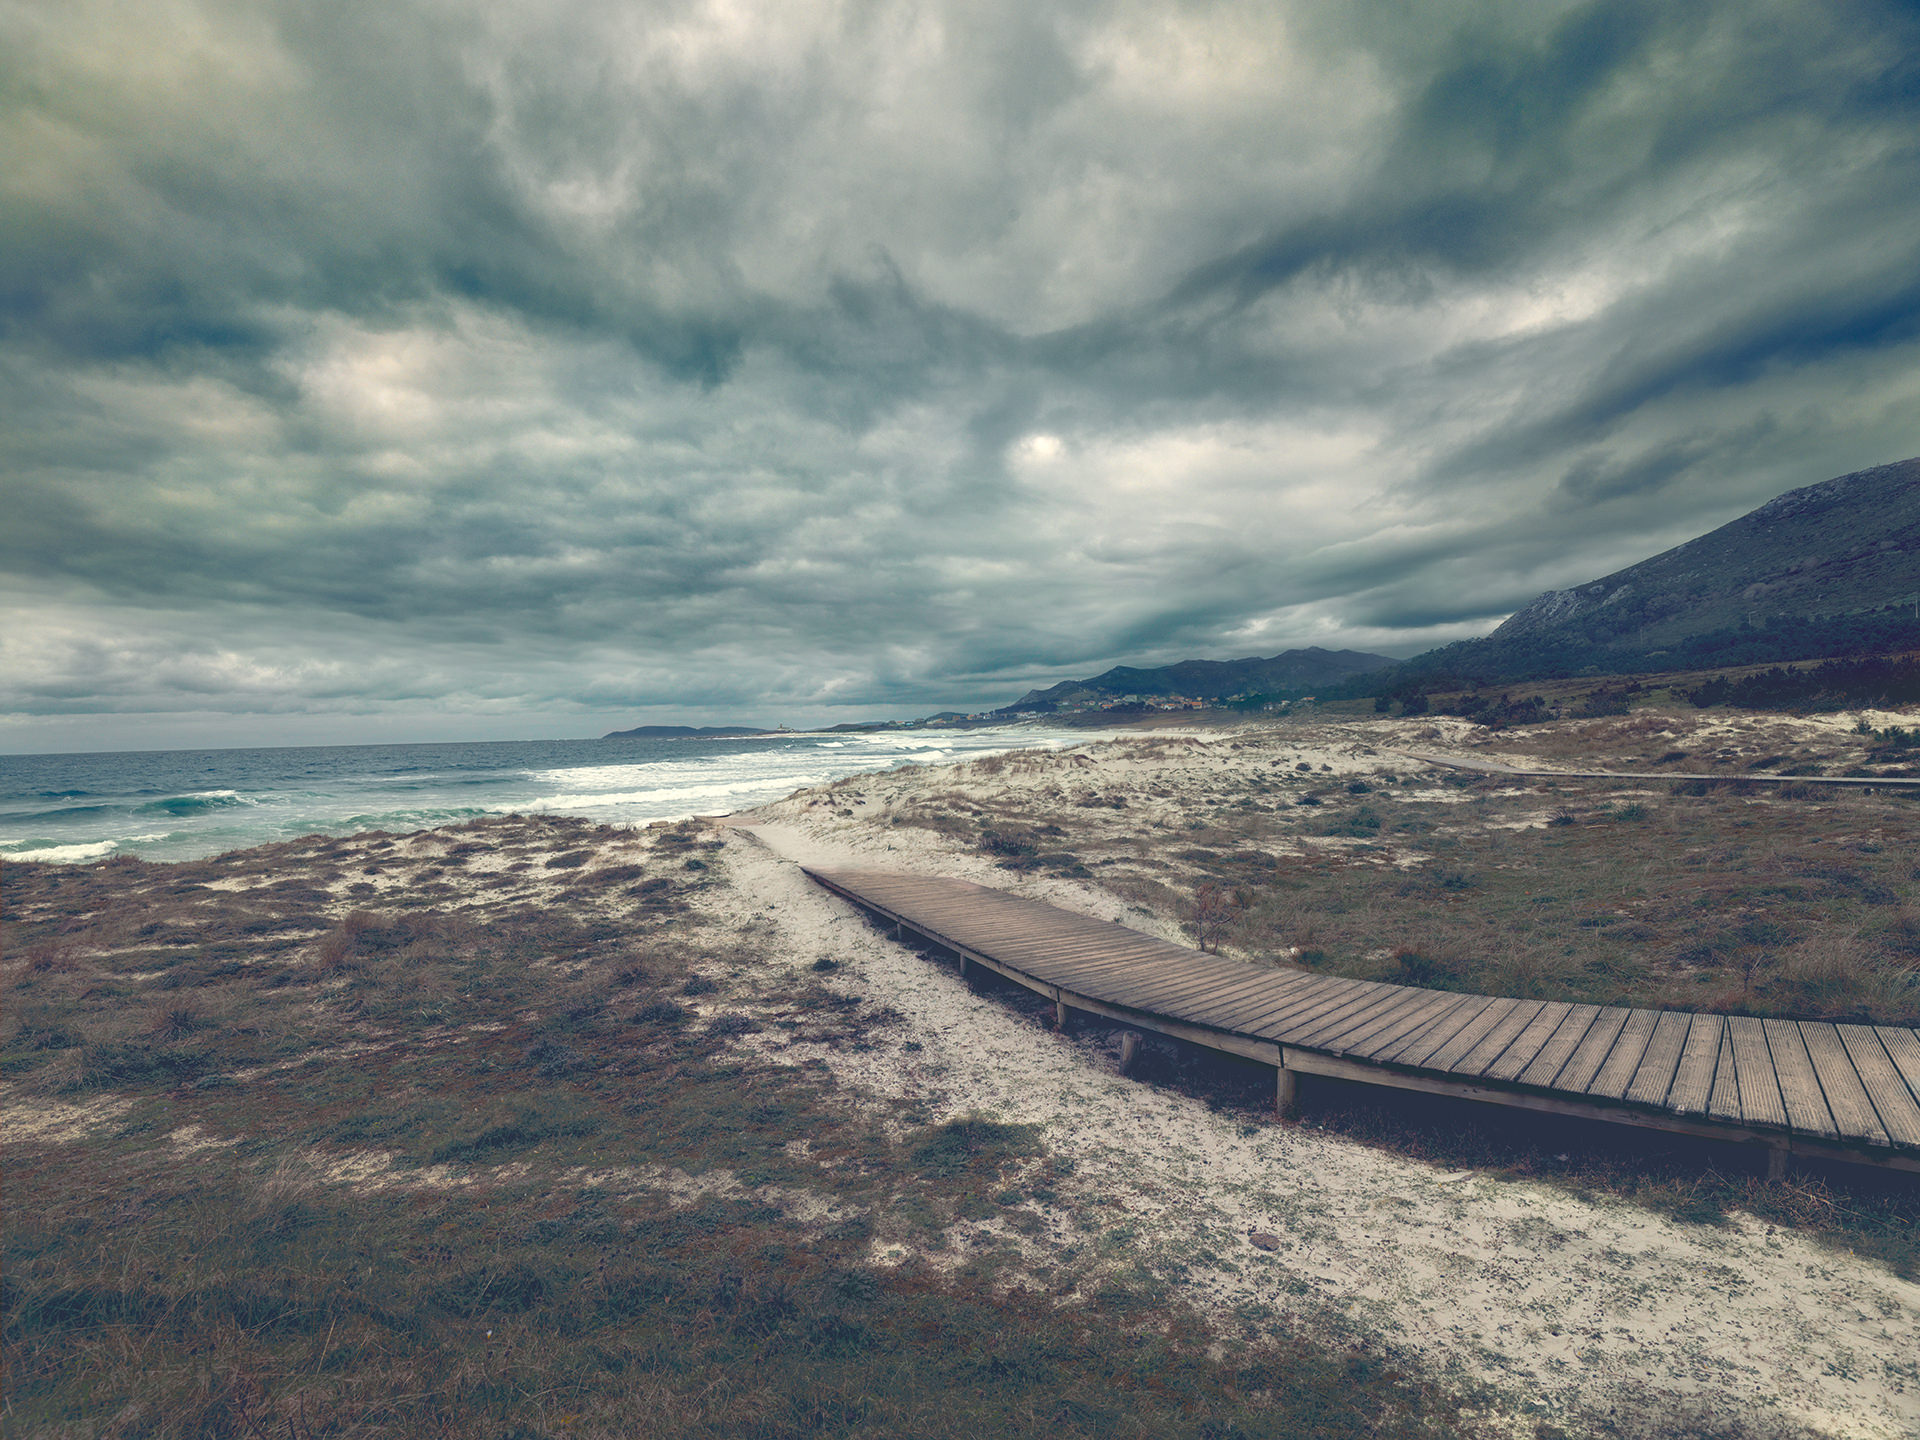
447	369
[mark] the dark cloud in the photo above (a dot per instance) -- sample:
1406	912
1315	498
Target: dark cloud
520	367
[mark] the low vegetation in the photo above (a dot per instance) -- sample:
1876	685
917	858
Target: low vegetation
432	1135
1715	895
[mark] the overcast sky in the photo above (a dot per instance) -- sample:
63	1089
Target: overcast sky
434	369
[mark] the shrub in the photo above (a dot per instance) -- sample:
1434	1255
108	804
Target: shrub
973	1142
1433	966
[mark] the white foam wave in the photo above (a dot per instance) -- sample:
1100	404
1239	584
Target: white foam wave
67	854
772	786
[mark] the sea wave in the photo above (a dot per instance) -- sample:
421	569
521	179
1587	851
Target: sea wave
387	819
196	803
772	786
64	812
66	854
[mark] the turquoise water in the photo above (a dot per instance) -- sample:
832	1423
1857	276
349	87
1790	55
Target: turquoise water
183	804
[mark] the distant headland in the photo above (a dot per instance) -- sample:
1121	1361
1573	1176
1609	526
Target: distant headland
688	732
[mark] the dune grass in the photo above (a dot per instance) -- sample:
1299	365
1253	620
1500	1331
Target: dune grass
1723	897
487	1163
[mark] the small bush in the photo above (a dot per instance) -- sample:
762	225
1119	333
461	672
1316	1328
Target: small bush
172	1022
973	1142
521	1133
1434	967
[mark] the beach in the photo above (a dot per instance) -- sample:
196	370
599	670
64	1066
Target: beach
1527	1286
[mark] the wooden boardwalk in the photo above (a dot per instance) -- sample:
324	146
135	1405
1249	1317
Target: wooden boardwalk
1742	777
1847	1092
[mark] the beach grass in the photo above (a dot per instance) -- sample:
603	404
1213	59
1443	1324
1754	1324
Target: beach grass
288	1160
1725	897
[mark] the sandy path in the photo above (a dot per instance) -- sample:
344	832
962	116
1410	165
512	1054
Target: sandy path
1576	1306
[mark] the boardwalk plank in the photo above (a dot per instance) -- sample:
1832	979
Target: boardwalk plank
1760	1102
1284	1008
1693	1080
1853	1113
1544	1069
1089	955
1134	991
1527	1044
1220	1010
1799	1086
1234	1001
1903	1048
1899	1112
1496	1041
1654	1075
1085	963
1468	1035
1357	1031
1354	1012
1275	1005
1205	989
1390	1038
1170	986
1418	1044
1592	1052
1614	1077
1724	1103
1064	948
1300	1018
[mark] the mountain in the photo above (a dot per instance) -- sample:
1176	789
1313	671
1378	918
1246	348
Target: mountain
1291	672
1828	569
1840	547
684	732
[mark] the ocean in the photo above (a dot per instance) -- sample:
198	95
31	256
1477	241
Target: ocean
185	804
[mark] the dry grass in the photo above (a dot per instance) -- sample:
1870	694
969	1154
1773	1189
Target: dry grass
481	1161
1745	900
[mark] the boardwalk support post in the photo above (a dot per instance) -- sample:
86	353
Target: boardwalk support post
1129	1047
1776	1163
1060	1014
1286	1088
